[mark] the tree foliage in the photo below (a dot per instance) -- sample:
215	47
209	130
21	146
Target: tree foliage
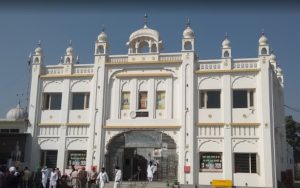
292	132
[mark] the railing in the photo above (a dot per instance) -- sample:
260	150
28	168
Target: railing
54	70
79	69
210	66
120	59
245	65
173	58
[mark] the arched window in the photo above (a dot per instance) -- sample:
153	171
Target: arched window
188	45
264	51
153	48
100	49
68	60
36	60
226	54
144	47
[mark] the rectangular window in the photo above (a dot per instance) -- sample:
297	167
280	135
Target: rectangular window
49	158
52	101
245	162
210	162
143	99
125	100
160	100
80	101
210	99
243	98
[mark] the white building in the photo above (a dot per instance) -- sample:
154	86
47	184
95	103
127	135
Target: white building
201	119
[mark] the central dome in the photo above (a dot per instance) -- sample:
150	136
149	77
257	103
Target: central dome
145	32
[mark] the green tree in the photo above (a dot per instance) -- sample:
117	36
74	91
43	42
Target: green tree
293	133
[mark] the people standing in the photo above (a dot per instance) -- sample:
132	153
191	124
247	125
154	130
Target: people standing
74	177
58	177
92	177
44	176
12	181
53	178
150	171
118	177
37	178
82	175
102	178
26	177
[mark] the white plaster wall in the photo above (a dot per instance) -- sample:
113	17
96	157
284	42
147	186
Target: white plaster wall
206	177
240	179
79	116
50	116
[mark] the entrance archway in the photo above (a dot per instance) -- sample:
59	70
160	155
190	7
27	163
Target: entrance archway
133	150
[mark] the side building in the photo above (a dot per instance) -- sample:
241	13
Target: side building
199	119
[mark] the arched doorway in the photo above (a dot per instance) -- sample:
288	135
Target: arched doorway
133	150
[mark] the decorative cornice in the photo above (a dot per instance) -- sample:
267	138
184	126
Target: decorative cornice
210	124
144	62
126	75
77	124
67	124
49	124
65	75
225	71
142	127
232	124
244	124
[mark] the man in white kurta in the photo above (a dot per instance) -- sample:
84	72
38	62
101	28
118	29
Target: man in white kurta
53	178
118	178
44	176
103	178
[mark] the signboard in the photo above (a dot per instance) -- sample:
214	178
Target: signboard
211	161
187	169
76	158
222	183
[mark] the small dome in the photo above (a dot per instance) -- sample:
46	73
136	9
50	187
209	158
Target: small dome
102	37
38	50
272	58
226	43
279	71
263	40
69	50
188	33
16	113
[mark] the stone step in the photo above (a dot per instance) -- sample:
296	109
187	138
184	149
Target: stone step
138	184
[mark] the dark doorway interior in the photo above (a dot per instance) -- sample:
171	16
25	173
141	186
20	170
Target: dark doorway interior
133	150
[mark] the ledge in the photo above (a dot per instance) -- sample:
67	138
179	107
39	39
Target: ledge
244	124
60	124
210	124
142	127
225	71
65	75
125	75
49	124
144	62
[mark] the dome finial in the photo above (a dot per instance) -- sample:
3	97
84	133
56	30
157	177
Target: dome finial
19	95
103	28
188	22
262	31
70	43
226	35
39	43
145	19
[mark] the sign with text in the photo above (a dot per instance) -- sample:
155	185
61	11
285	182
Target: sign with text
211	161
76	158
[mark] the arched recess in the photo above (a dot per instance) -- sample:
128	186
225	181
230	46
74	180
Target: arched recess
130	149
36	60
245	146
210	145
264	51
244	78
226	54
209	82
188	45
51	85
153	48
144	47
100	49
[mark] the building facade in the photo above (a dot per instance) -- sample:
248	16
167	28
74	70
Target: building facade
199	119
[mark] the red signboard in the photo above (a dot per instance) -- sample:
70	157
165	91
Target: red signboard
187	169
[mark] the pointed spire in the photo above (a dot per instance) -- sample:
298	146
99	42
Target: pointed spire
145	20
39	43
188	22
226	35
102	28
70	43
262	31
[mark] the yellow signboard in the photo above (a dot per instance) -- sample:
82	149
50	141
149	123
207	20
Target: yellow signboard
222	183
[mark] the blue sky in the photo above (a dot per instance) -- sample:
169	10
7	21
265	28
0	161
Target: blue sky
21	27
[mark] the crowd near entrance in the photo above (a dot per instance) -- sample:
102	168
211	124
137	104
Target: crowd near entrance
132	151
